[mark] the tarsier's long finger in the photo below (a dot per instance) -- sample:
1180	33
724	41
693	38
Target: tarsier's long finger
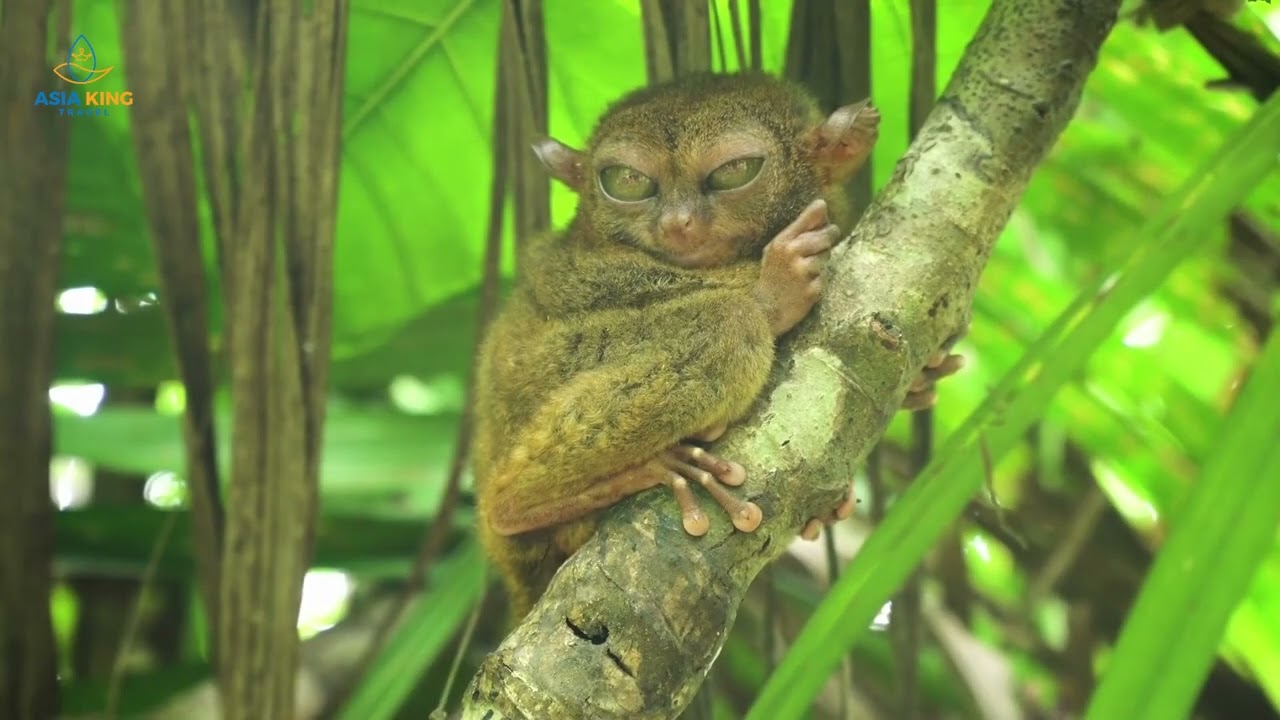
940	365
813	265
814	242
845	509
726	471
812	217
691	516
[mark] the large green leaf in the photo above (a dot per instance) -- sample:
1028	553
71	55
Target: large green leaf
371	458
455	586
109	540
1219	537
132	349
105	229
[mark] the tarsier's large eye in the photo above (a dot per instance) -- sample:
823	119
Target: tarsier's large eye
627	184
735	173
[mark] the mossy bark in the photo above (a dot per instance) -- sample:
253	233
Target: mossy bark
632	623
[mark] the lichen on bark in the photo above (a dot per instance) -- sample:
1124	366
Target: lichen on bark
631	624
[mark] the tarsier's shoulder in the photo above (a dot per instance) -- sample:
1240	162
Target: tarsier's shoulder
537	249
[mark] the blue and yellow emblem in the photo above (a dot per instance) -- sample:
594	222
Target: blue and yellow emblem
81	67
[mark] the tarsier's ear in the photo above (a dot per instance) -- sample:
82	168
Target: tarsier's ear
565	164
842	142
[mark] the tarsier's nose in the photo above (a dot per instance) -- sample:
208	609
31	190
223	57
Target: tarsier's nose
677	223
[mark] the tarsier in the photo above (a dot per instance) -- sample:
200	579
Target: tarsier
704	220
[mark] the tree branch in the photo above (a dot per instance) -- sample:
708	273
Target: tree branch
632	622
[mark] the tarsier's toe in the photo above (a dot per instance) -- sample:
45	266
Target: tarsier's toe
844	510
696	523
691	516
733	475
921	393
919	400
748	517
940	365
684	458
812	529
813	526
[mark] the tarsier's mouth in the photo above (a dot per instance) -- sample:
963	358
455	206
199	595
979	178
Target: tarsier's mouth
702	252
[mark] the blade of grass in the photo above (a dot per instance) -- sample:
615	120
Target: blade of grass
455	585
1226	527
939	495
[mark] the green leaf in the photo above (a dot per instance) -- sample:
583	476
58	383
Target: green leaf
370	457
1224	530
105	229
139	694
456	583
938	496
109	540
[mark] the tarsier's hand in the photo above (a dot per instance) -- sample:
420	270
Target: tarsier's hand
791	272
686	463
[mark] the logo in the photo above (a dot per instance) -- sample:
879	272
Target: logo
81	69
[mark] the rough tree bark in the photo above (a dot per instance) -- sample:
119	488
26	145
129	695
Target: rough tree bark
631	624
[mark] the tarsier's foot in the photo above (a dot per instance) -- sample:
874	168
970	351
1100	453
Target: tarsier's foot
813	526
687	464
921	394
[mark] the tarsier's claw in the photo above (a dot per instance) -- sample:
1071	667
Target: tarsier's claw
734	475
